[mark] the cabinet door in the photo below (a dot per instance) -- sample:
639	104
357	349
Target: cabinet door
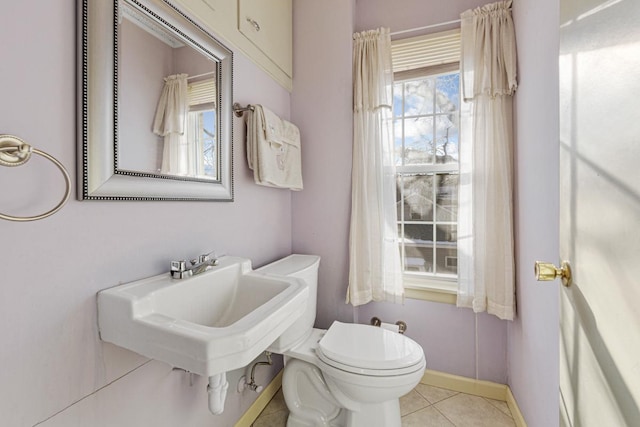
214	14
268	25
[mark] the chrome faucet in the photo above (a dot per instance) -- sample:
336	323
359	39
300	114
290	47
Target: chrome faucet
180	270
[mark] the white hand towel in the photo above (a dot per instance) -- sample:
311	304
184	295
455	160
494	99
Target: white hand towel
273	150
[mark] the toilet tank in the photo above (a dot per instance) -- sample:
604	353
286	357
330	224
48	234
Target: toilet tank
303	267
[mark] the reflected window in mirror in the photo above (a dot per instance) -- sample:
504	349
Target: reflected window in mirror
201	127
167	85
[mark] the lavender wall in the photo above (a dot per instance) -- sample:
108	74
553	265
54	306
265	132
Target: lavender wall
533	337
321	107
189	61
455	340
144	62
53	364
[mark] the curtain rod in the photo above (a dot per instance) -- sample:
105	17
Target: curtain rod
411	30
200	75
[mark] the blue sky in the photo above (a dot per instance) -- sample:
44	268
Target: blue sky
426	118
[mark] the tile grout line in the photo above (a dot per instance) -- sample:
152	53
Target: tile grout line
445	417
483	398
420	409
510	415
441	400
441	413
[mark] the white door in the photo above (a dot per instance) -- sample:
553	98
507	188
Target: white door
600	212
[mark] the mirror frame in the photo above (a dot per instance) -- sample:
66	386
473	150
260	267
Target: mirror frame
99	178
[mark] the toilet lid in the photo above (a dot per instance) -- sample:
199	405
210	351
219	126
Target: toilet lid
369	347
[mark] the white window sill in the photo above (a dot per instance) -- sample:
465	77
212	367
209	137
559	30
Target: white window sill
428	289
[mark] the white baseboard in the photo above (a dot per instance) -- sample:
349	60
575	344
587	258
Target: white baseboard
515	410
481	388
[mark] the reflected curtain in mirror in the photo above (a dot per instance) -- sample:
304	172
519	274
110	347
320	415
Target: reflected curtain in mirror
178	156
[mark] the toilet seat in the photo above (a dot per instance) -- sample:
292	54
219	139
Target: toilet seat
368	350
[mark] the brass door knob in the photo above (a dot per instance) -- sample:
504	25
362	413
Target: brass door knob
545	271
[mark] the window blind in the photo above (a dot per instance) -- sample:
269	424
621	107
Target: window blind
202	92
431	50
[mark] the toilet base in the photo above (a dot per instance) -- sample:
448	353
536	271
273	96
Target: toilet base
385	414
312	404
308	398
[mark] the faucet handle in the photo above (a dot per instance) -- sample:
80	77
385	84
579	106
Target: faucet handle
213	255
179	266
210	257
201	258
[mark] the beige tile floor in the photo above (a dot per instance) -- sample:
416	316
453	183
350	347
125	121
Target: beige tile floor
424	406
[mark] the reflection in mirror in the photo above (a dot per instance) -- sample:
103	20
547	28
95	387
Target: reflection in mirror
156	105
167	101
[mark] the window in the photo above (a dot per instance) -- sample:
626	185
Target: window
426	114
201	126
202	130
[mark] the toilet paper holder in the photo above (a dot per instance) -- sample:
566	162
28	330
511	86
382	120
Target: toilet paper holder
402	326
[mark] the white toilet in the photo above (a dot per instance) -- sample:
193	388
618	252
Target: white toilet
349	375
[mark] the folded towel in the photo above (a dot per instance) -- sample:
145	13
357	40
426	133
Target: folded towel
271	124
273	150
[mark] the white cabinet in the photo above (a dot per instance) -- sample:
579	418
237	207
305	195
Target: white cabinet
260	29
267	24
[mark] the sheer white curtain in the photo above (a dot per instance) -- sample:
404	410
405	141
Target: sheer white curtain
179	154
485	219
375	273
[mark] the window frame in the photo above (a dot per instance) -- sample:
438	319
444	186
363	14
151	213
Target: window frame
418	286
194	122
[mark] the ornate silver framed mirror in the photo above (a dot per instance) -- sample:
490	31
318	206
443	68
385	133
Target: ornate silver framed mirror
155	101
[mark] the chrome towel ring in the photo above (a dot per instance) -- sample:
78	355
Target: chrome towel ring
15	152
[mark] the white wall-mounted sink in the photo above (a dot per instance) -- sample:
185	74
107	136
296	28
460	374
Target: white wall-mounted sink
208	324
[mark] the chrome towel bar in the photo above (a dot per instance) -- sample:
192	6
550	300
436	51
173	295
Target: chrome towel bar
239	110
15	152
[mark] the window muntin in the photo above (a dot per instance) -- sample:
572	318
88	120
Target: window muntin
426	114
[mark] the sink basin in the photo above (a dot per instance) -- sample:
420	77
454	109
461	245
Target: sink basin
208	324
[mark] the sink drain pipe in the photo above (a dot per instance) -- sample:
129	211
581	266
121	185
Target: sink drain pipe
217	390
